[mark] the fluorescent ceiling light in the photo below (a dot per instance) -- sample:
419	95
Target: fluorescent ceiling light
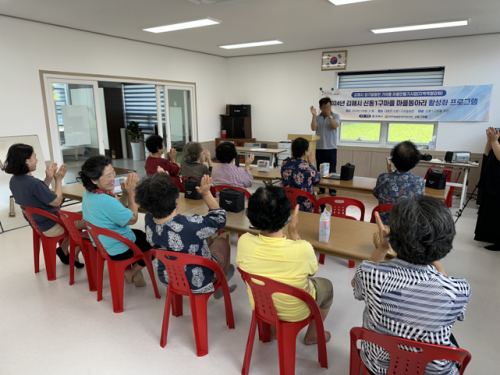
183	25
255	44
344	2
421	27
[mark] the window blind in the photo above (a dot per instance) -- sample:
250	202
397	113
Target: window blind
391	78
140	105
59	92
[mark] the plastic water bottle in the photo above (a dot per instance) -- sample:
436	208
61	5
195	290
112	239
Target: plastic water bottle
432	143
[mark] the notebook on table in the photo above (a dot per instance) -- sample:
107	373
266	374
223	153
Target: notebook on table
332	176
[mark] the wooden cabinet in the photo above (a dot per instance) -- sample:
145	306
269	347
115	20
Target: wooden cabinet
238	142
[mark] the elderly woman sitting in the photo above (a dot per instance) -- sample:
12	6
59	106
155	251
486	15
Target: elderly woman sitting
194	157
227	173
411	296
190	234
290	261
299	172
102	208
400	183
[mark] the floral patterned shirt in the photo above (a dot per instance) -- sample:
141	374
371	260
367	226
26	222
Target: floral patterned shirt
299	174
187	234
392	186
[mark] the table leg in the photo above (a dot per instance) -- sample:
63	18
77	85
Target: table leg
464	189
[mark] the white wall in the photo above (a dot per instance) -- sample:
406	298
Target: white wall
27	47
282	87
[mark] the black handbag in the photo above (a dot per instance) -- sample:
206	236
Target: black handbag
436	180
232	200
190	189
347	172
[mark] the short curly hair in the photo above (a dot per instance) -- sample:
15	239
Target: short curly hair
154	143
157	195
192	152
269	209
421	229
15	162
405	156
92	169
299	147
226	152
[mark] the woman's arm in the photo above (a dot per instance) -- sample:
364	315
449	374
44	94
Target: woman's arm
59	176
128	188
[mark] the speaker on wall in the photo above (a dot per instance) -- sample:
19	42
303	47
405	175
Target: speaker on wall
242	110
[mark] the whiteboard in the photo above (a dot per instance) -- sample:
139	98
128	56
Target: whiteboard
76	125
8	223
176	128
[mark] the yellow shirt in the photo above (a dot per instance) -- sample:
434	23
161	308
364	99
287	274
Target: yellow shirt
283	260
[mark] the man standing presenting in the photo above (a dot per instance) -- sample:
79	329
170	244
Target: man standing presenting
325	125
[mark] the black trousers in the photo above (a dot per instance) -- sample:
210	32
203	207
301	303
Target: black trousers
141	242
327	156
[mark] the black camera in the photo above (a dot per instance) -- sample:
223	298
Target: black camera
426	157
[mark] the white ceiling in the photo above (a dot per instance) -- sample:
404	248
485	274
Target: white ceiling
300	24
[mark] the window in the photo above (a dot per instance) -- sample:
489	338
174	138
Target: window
386	133
60	98
140	105
391	78
357	131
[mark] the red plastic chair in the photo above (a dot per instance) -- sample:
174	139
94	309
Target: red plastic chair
81	239
404	362
218	188
449	198
293	194
49	244
179	185
265	315
387	207
178	286
339	209
116	268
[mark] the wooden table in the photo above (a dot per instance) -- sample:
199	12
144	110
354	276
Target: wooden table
120	171
349	239
75	192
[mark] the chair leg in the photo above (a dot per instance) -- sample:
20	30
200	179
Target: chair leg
166	316
287	340
99	275
321	258
249	349
49	255
177	305
264	331
89	256
200	323
72	250
116	280
352	264
36	251
149	265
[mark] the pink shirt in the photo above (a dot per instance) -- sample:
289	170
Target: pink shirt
230	174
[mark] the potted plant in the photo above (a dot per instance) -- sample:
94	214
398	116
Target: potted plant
135	135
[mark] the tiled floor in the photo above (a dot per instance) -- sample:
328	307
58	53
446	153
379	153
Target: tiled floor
53	328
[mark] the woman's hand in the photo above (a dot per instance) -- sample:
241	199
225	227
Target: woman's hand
205	185
384	243
51	171
61	172
492	135
172	154
130	184
389	164
294	222
161	170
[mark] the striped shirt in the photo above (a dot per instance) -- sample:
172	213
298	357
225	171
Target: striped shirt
411	301
230	174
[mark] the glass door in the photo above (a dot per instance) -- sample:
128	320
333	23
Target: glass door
75	123
176	108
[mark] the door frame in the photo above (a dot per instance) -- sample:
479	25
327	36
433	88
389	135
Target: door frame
45	74
56	155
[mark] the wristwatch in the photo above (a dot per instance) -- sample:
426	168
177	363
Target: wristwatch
330	116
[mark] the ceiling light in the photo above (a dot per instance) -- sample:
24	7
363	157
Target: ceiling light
344	2
255	44
421	27
183	25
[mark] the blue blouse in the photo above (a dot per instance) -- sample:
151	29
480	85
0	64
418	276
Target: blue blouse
299	174
393	186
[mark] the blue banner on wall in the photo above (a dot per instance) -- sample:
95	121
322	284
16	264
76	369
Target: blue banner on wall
447	103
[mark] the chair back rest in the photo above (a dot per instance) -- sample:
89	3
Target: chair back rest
404	362
339	206
293	193
175	263
69	218
179	185
262	290
218	188
95	232
387	207
30	211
